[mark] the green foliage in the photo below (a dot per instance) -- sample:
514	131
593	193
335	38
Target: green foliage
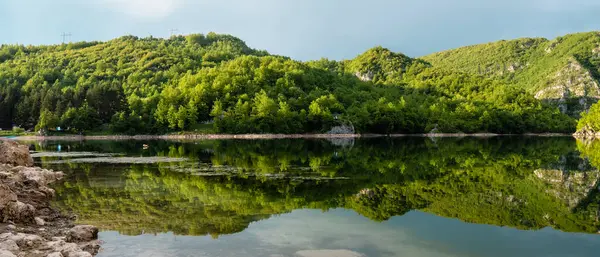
564	68
147	85
590	120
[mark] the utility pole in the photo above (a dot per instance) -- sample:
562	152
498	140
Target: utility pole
173	31
65	35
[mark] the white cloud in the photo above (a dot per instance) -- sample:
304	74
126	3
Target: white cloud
148	9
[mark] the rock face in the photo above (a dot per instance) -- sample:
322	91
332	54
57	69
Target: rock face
367	76
29	226
596	52
22	190
14	154
573	88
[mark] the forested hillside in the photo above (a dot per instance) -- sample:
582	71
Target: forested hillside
564	71
188	83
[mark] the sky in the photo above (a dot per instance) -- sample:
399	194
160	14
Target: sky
302	29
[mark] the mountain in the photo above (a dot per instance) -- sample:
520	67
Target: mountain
564	71
217	84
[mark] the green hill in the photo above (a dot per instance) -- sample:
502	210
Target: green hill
565	70
216	83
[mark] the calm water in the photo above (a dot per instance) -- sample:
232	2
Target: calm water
513	196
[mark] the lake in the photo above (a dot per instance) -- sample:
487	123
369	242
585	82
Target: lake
413	196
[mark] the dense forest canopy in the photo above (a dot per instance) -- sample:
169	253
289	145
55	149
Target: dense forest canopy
216	83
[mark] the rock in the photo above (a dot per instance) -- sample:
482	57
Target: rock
26	241
342	129
24	200
62	246
6	196
41	176
79	254
39	221
9	245
18	212
92	247
15	154
82	233
5	253
368	76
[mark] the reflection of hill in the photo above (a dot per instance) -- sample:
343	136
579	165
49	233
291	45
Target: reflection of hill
523	183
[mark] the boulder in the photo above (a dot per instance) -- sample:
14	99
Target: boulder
5	253
9	245
15	154
18	212
27	241
82	233
41	176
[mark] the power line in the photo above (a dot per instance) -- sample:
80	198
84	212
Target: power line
173	31
65	35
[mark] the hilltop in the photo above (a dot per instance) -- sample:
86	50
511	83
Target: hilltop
217	84
565	70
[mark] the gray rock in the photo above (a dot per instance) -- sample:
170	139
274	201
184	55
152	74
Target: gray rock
342	129
26	241
18	212
82	233
5	253
55	254
368	76
78	254
6	196
9	245
39	221
14	154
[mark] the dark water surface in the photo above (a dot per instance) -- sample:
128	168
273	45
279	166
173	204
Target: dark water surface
508	196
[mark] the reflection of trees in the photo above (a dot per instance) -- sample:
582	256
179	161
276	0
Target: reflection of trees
489	181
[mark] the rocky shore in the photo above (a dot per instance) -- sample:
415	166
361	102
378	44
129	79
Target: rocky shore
29	226
587	132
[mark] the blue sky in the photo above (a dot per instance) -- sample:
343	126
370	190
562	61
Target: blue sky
302	29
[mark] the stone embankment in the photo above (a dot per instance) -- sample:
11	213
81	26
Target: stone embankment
29	226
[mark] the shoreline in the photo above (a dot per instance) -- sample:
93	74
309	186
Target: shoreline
270	136
29	224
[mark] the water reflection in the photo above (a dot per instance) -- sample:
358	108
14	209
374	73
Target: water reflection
220	187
